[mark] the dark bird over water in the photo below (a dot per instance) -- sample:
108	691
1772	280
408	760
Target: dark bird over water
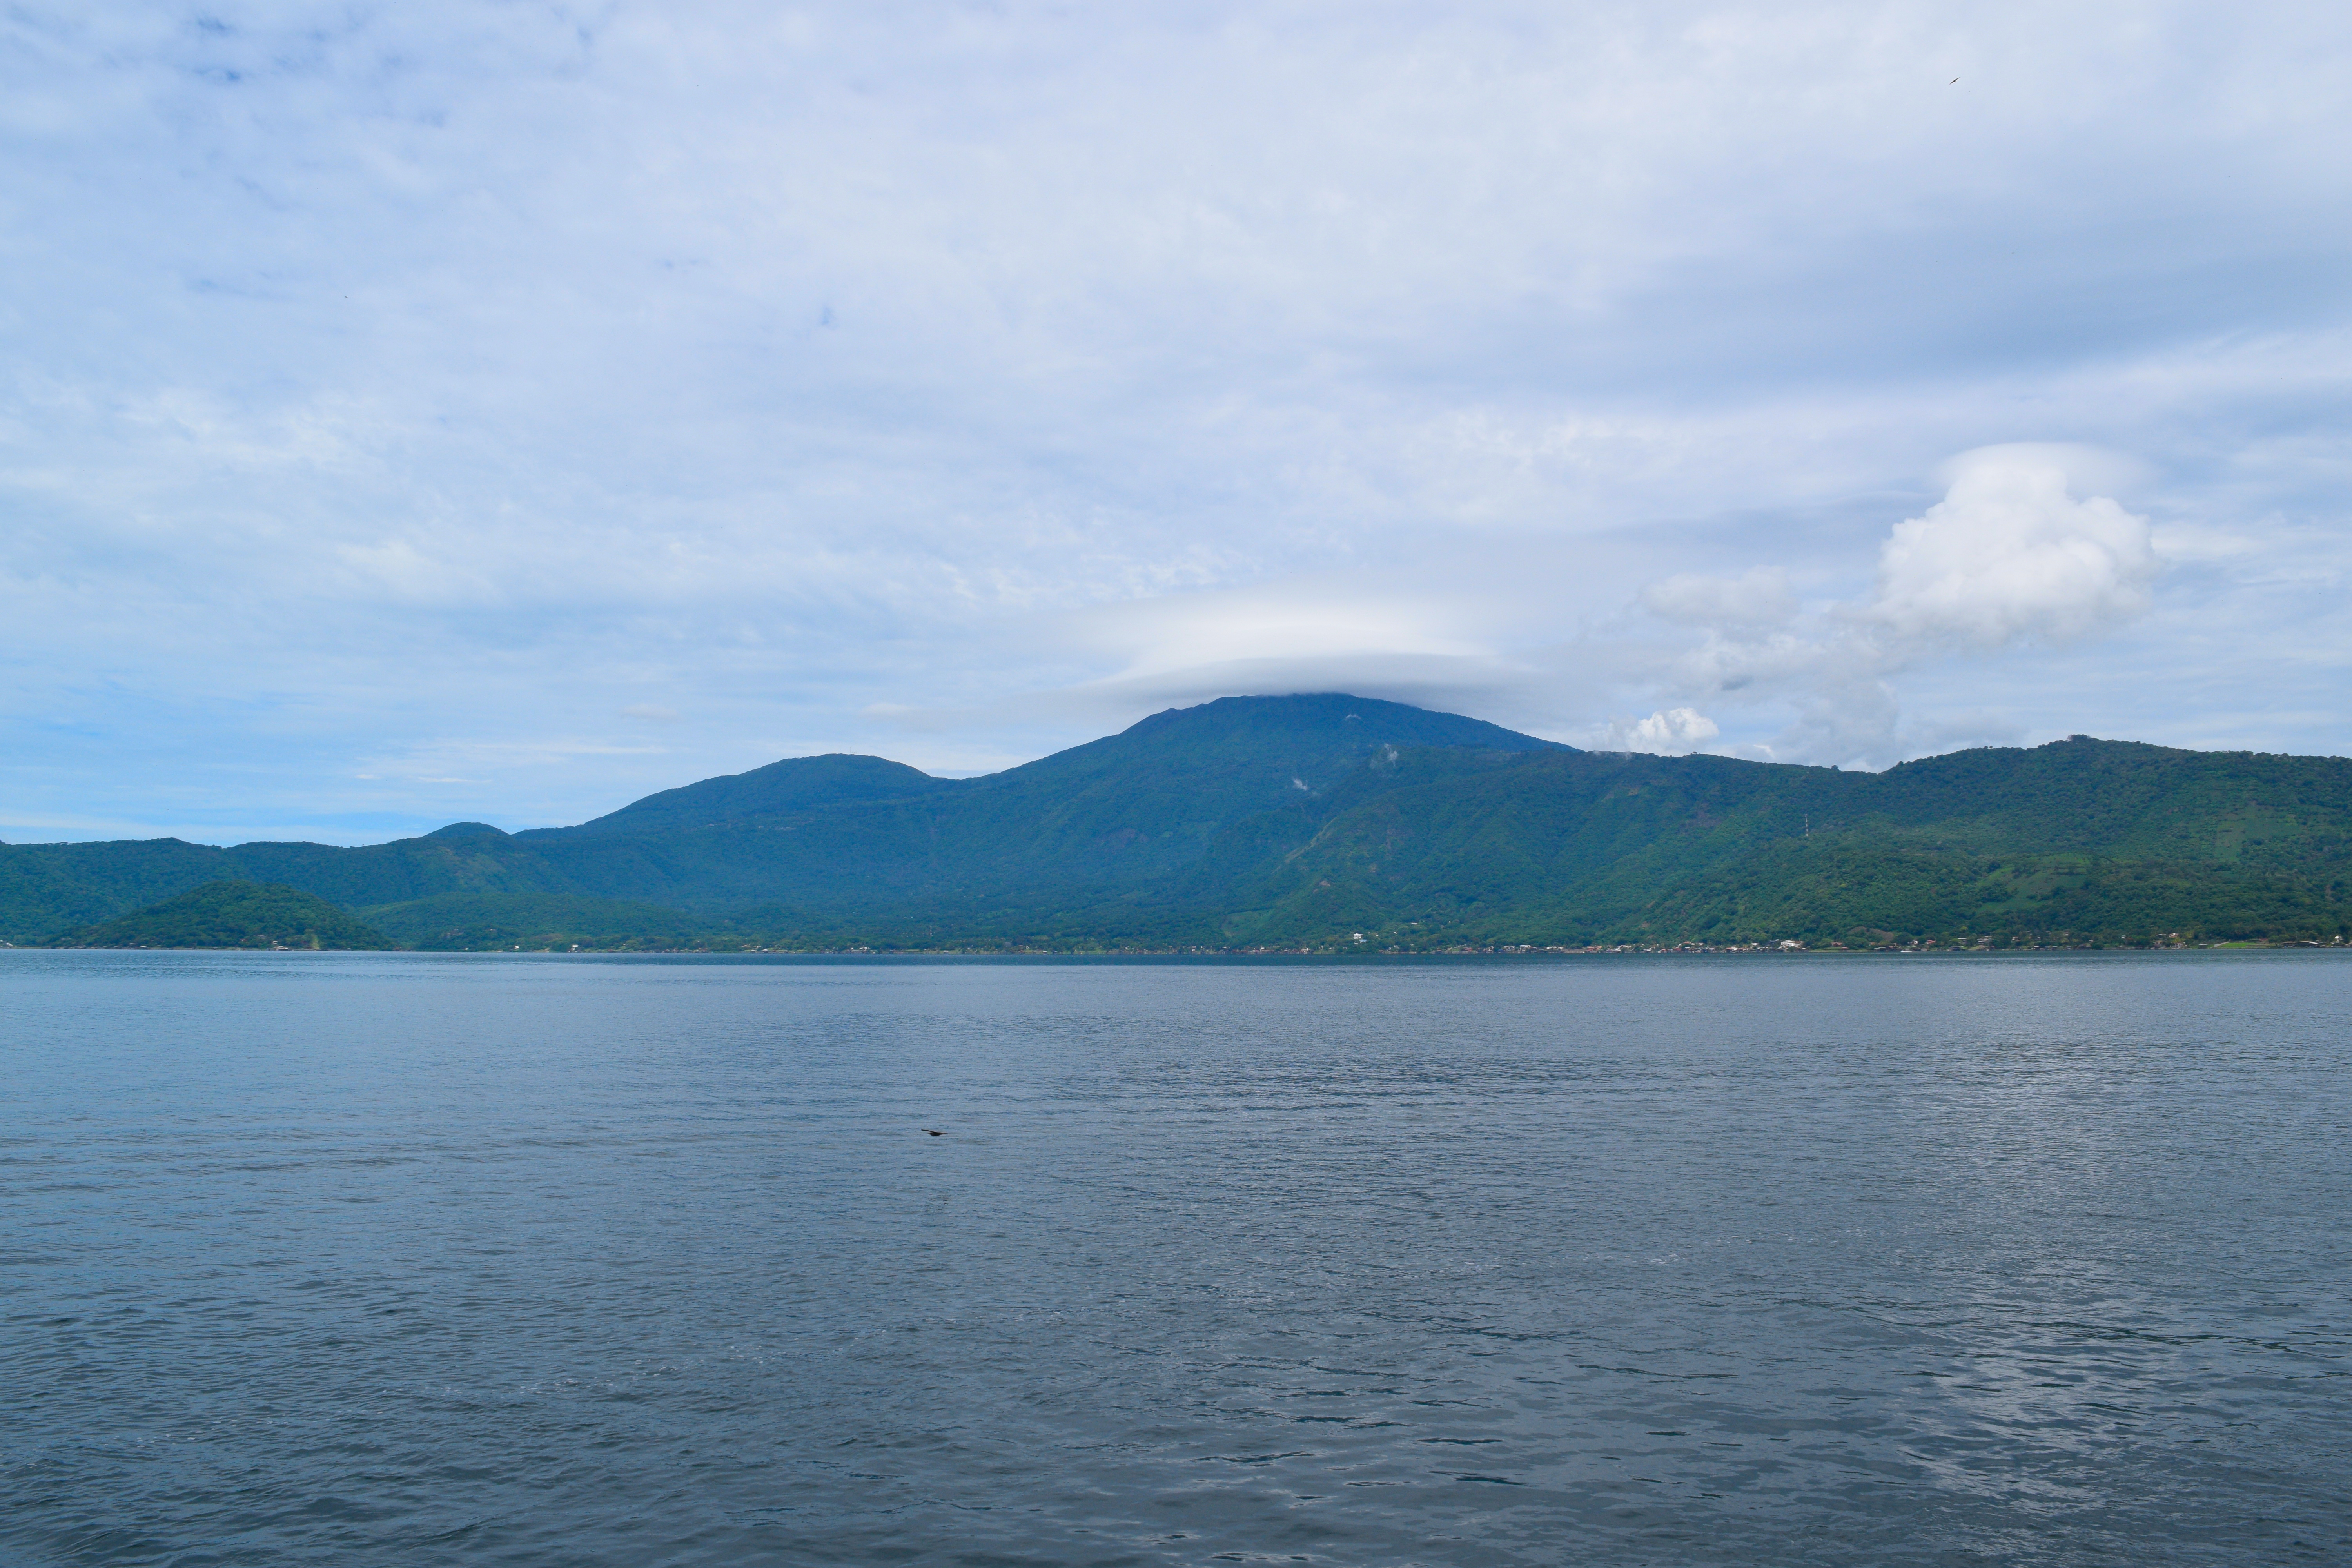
934	1132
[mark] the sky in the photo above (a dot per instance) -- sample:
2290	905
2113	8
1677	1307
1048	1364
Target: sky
500	411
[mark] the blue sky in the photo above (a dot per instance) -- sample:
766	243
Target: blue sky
501	411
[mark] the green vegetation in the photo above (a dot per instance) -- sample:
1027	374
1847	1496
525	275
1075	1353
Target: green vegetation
1305	822
2079	843
232	914
540	922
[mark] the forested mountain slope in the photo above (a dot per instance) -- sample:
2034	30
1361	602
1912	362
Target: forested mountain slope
233	915
2082	839
1306	820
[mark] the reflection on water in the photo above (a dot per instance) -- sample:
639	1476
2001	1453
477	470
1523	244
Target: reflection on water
406	1259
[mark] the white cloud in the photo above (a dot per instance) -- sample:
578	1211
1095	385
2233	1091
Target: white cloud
2009	556
1671	731
1173	633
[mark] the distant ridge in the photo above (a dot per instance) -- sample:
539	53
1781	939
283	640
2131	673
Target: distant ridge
795	784
1332	822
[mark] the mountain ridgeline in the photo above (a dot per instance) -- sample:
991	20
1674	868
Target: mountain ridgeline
1316	821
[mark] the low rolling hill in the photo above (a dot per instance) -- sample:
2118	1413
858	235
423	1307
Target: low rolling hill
233	915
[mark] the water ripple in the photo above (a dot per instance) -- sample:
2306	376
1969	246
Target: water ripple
313	1259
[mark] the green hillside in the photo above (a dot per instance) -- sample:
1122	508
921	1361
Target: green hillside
538	922
232	914
1121	812
1304	821
2079	841
792	787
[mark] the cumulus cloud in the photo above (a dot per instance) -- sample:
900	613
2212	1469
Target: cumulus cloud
2009	555
1671	731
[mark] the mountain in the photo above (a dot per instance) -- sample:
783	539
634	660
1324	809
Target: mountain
795	785
2080	840
232	914
1312	820
830	838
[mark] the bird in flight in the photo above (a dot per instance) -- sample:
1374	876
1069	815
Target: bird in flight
934	1132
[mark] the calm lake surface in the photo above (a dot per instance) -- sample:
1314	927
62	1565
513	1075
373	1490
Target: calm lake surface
406	1259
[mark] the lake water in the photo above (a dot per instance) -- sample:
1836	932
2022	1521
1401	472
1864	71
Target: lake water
406	1259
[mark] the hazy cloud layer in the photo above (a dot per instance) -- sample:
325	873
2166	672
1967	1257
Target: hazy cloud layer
502	411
